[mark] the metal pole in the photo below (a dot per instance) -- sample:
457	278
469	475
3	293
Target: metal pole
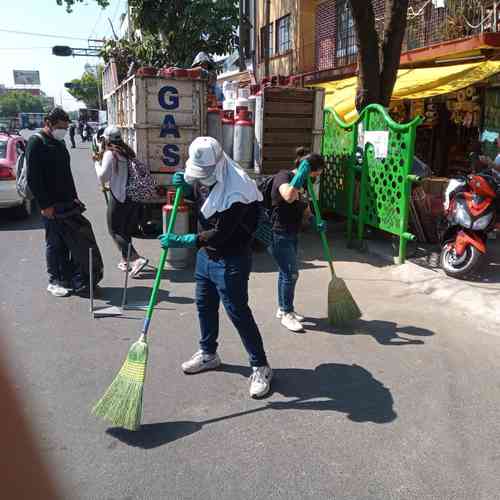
124	295
91	284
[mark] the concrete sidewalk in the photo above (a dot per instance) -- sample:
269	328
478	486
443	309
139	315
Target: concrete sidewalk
478	296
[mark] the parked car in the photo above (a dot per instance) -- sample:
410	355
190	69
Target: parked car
11	146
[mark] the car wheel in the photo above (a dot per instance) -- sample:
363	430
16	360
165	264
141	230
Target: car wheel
23	211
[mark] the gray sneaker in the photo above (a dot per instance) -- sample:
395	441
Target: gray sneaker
200	362
260	381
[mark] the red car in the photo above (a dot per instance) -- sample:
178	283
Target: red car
11	146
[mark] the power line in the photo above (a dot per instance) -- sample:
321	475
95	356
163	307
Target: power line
96	23
14	32
25	48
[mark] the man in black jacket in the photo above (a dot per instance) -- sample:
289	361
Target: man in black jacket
51	182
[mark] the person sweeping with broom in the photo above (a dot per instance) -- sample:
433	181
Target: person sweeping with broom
288	209
226	200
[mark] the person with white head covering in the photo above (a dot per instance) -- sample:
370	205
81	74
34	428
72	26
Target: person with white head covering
122	213
226	200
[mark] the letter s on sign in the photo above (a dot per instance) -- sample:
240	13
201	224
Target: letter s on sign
173	97
171	156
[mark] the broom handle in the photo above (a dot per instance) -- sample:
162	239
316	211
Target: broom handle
317	215
156	285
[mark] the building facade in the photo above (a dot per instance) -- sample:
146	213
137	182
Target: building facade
317	38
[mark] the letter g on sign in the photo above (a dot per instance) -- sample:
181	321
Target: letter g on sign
168	97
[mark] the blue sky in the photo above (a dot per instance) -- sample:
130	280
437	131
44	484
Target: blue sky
28	52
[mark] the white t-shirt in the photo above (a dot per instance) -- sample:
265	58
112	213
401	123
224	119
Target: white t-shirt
114	169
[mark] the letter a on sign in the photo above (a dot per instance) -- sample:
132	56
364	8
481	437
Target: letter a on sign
169	127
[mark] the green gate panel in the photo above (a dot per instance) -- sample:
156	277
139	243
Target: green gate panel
385	188
337	147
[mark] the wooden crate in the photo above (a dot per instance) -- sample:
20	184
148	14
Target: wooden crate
292	117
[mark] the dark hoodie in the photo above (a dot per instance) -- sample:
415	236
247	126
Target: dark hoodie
49	173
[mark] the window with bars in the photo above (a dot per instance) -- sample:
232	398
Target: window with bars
283	42
262	41
346	48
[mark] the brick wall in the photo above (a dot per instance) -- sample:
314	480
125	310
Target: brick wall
326	26
427	28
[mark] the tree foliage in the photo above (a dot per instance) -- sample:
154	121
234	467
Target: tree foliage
172	32
186	27
21	102
70	3
378	57
87	88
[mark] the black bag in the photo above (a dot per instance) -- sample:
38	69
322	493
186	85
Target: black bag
265	186
79	237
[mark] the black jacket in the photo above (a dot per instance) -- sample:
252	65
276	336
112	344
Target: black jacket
49	173
226	233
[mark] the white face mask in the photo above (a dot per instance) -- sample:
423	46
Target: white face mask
209	181
59	133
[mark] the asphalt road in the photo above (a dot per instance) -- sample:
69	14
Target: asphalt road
403	405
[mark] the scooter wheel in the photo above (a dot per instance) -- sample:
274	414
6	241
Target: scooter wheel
459	266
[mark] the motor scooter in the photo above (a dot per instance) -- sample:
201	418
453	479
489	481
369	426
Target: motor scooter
470	208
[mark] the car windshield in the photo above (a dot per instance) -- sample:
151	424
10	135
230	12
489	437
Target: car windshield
3	149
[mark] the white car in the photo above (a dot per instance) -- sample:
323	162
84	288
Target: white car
11	146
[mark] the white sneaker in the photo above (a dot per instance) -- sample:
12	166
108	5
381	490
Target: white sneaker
137	266
298	317
201	361
289	321
260	381
57	290
122	266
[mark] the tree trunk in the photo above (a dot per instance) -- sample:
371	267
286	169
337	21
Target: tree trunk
378	62
368	53
394	32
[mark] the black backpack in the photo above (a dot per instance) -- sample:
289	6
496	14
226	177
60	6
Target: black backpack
265	185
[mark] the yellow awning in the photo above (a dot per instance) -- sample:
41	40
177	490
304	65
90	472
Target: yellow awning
419	83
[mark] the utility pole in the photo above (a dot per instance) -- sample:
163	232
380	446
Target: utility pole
267	16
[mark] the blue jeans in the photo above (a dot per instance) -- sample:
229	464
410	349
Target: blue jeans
60	267
226	280
284	250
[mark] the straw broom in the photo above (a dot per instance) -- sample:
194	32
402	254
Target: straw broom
342	307
122	402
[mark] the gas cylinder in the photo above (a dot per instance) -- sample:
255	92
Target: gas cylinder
177	258
243	139
258	129
251	100
228	132
214	120
242	101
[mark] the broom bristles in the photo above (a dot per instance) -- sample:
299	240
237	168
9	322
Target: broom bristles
342	307
122	402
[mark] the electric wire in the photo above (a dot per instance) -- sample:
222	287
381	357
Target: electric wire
15	32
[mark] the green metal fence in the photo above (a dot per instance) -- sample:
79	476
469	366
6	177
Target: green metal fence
387	150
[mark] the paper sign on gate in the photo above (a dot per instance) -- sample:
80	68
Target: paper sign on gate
379	140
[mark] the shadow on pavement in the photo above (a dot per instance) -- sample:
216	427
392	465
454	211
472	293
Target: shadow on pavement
335	387
384	332
173	275
113	295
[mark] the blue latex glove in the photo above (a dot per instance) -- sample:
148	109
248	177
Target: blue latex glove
173	240
300	178
320	226
179	181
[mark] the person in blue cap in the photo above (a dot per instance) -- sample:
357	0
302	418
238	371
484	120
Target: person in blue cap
226	201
